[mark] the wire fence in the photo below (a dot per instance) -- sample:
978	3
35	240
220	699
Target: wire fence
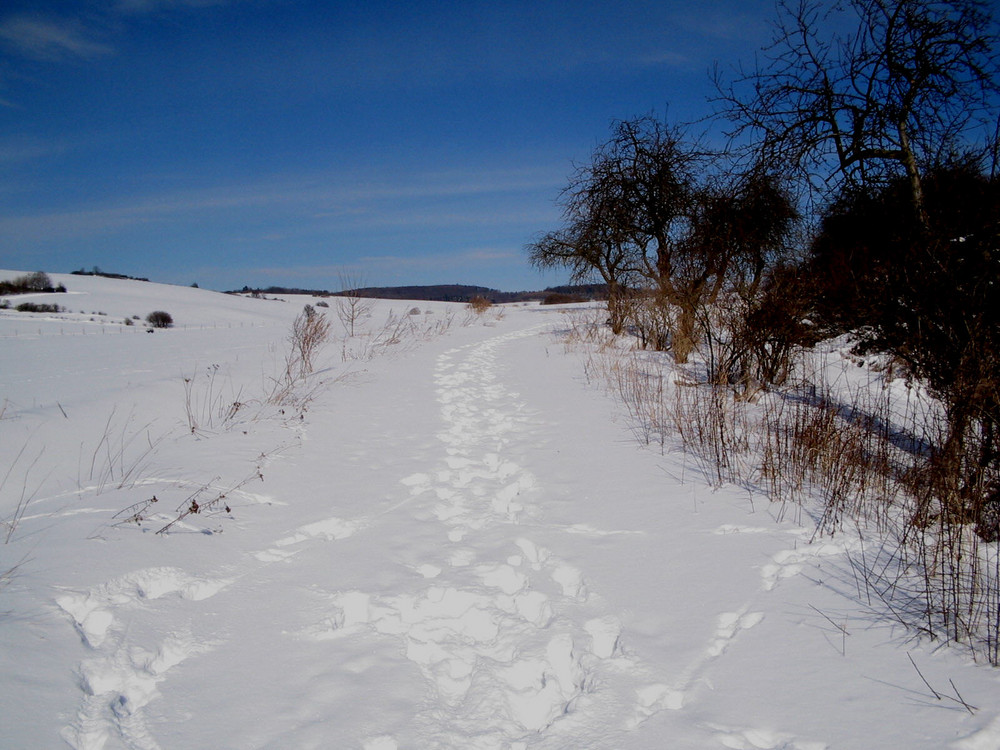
39	329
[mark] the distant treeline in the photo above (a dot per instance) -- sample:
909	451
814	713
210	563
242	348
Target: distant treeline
105	274
33	282
449	293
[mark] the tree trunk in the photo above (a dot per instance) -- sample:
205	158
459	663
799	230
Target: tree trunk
913	174
684	333
617	311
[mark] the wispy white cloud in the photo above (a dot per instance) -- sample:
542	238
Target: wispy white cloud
300	205
721	23
667	59
154	6
20	149
383	266
43	37
47	39
442	261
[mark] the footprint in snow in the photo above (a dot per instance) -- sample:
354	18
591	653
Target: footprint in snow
761	739
790	562
651	699
729	625
120	681
328	529
495	653
92	611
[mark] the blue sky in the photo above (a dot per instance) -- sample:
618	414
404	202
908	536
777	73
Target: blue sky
282	142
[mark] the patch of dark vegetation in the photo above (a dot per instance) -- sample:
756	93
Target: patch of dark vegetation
160	319
95	271
586	292
892	153
558	298
441	293
35	307
37	282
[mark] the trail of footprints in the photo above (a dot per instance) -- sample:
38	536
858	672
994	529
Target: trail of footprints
487	649
501	662
498	641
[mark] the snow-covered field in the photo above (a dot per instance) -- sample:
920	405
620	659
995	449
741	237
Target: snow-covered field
451	541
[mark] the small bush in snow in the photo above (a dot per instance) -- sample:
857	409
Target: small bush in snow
310	331
479	305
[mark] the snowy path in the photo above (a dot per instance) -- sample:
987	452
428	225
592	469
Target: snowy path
497	634
498	641
505	635
511	648
459	546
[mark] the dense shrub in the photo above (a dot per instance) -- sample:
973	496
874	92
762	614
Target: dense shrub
925	292
38	281
36	307
765	331
160	319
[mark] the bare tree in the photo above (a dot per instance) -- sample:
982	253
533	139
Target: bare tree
865	91
588	247
625	212
352	307
655	212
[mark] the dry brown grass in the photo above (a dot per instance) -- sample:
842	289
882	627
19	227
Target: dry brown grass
867	461
479	305
310	332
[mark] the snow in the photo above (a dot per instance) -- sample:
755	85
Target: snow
448	542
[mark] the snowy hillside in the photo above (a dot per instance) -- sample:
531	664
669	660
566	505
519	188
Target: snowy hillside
441	538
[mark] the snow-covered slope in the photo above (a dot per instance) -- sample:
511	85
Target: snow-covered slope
447	541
